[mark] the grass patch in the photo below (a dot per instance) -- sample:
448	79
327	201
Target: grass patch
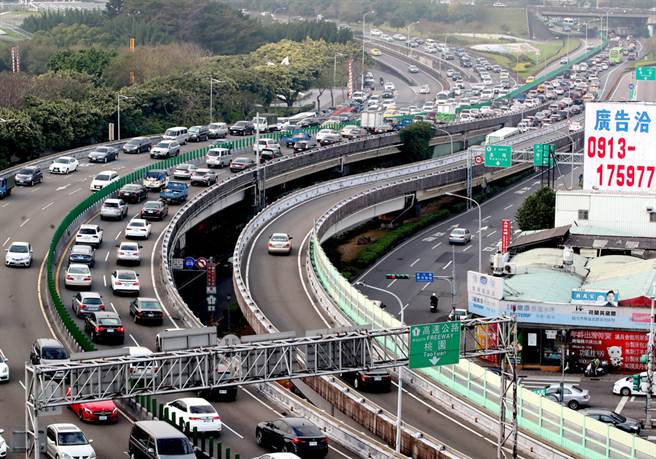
526	64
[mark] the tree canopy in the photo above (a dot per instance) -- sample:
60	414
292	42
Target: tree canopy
538	210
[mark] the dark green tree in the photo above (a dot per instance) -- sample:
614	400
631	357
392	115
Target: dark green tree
114	7
91	61
416	138
538	210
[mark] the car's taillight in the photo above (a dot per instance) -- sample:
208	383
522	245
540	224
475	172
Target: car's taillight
69	278
270	245
216	418
83	306
120	329
297	441
101	307
194	419
99	329
365	377
86	278
135	283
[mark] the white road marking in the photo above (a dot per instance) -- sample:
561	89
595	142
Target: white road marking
517	231
492	233
134	340
467	248
105	280
241	437
453	226
47	205
391	283
507	207
107	256
152	276
112	306
6	240
415	262
24	223
436	246
300	274
486	218
425	286
428	239
118	235
447	265
620	404
74	191
5	205
21	384
63	187
633	398
482	229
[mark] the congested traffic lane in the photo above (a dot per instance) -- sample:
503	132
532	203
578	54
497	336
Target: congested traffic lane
290	308
410	94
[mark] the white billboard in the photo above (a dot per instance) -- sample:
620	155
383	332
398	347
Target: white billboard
620	147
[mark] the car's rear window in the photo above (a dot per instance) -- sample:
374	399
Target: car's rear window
103	177
173	446
307	430
78	270
109	321
149	305
111	204
205	409
92	300
126	275
88	231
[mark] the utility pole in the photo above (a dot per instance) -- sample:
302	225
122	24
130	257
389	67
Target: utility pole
363	40
650	358
212	81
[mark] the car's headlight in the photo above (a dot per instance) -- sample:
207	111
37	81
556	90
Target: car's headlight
67	456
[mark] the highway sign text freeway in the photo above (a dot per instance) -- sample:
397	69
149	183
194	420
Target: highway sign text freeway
498	156
434	344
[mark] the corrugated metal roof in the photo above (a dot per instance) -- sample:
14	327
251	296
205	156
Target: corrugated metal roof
632	278
541	286
535	237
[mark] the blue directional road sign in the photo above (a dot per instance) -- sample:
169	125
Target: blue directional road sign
424	277
189	263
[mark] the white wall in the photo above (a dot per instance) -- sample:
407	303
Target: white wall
620	213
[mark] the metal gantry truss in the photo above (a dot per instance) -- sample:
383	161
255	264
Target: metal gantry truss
260	360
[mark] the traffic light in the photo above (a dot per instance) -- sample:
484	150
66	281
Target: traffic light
397	276
636	382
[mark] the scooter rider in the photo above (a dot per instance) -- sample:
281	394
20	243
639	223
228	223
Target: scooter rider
434	300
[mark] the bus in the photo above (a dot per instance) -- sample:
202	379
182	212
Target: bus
501	134
615	55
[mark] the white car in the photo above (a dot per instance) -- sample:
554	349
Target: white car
68	441
624	386
389	86
19	254
280	243
125	281
575	126
63	165
102	179
138	228
89	234
78	275
3	445
128	252
328	136
198	412
4	377
184	171
424	89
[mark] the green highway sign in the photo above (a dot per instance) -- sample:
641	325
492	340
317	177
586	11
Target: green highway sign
434	344
543	154
498	156
646	73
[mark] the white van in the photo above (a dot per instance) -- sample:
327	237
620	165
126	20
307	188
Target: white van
145	369
178	134
218	157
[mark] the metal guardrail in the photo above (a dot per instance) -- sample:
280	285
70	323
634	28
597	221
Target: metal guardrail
544	419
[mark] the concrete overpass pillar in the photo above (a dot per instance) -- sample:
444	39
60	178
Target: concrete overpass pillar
651	23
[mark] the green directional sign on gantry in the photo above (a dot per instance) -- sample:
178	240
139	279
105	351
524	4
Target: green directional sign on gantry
498	156
434	344
646	73
543	154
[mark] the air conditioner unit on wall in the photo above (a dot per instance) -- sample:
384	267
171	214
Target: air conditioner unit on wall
510	268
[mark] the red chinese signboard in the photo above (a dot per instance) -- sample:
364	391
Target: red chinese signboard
622	349
505	235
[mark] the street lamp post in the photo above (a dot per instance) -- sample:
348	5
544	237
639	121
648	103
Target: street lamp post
364	16
119	97
408	38
212	81
446	37
449	134
399	396
480	235
332	98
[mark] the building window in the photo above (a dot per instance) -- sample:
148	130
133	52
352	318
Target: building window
583	214
652	217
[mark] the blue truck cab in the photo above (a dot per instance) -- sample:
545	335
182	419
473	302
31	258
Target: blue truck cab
174	192
6	184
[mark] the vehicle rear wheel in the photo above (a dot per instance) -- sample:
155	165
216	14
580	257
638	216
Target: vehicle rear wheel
625	391
93	337
573	405
286	449
258	438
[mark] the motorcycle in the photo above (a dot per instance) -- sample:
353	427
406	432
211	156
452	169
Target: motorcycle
433	303
600	369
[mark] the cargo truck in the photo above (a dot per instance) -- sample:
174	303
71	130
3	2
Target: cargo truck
266	122
373	121
6	184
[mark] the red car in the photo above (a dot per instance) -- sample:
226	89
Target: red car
96	411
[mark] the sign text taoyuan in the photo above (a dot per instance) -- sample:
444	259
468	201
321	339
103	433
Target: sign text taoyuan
620	147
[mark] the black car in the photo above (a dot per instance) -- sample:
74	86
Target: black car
133	193
292	435
370	381
220	394
104	154
198	133
242	128
268	155
28	176
105	326
304	145
146	310
138	145
84	254
610	417
154	210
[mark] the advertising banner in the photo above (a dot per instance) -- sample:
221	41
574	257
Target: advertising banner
620	147
622	349
484	285
505	235
595	297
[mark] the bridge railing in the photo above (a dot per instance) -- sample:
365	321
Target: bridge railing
546	420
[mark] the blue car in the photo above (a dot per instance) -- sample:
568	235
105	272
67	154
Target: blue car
294	136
